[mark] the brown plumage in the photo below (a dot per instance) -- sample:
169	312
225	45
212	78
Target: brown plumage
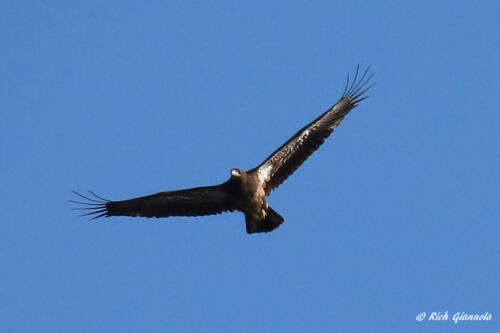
244	191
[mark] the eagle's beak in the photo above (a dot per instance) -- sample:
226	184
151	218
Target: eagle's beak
235	173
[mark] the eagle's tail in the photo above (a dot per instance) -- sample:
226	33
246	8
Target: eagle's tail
271	222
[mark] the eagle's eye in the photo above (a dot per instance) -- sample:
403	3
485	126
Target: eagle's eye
235	173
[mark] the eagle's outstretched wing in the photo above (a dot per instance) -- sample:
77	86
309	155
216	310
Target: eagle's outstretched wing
284	161
197	201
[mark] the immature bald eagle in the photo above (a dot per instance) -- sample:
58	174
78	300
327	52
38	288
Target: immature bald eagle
244	191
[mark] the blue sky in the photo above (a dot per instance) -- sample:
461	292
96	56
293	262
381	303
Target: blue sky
396	214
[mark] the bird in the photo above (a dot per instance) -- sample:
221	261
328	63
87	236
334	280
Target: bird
244	191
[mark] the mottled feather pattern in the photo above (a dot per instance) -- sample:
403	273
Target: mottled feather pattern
285	160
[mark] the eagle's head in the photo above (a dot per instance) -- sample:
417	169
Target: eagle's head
237	173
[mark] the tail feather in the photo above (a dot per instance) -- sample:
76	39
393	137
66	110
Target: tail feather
271	222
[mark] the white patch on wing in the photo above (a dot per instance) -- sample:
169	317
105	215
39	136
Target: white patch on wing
265	173
304	136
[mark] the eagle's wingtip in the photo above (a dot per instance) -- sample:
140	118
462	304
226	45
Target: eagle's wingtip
358	87
96	205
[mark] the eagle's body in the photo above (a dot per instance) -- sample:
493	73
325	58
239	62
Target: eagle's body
250	188
244	191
